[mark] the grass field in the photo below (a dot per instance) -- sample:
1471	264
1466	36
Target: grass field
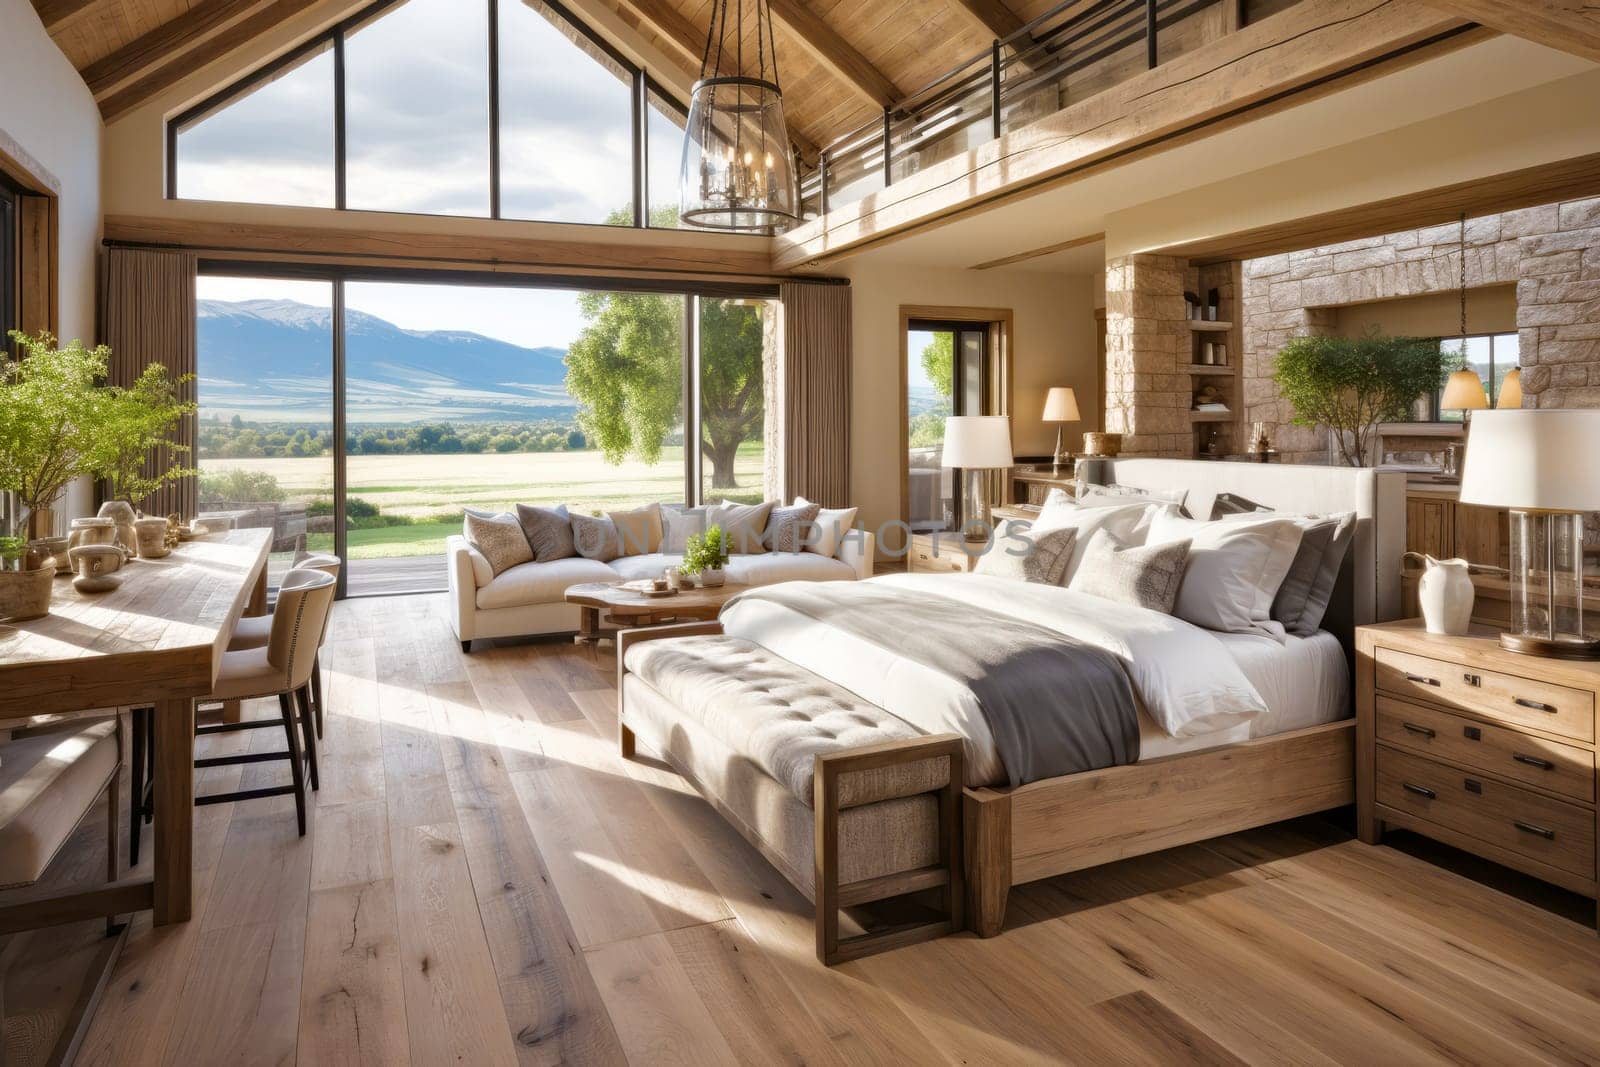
424	488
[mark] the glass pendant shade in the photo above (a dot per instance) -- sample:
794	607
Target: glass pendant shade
738	169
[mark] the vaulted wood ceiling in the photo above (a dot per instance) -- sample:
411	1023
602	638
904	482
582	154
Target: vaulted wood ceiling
841	61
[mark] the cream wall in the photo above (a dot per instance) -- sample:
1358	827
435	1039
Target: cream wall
47	111
1053	343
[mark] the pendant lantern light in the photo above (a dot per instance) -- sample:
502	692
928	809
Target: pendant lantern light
738	171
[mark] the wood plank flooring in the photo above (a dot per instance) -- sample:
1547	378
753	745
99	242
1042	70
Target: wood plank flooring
486	882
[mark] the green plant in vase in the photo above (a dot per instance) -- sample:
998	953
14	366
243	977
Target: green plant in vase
50	404
705	554
135	422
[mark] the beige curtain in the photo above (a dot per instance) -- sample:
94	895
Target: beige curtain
147	316
816	383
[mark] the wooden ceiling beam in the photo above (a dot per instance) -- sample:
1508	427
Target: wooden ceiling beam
834	52
59	14
1571	26
993	15
167	42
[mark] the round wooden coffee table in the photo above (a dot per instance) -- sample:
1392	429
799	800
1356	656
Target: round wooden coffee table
626	609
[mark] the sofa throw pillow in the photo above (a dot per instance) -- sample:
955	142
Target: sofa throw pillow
1021	555
595	537
744	526
1235	570
832	526
1146	576
788	529
548	530
638	531
679	524
499	538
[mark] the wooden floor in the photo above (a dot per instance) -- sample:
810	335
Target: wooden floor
487	883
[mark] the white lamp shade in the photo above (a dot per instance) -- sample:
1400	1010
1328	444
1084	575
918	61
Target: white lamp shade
1464	392
975	442
1061	405
1510	389
1534	460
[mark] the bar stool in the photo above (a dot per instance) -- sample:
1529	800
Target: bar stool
281	668
254	632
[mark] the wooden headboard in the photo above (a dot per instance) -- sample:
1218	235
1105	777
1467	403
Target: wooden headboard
1369	583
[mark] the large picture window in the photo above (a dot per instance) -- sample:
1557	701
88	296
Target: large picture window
488	108
452	395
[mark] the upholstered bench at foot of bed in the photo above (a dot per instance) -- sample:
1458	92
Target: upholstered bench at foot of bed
849	803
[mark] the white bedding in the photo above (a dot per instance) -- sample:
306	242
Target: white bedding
1196	689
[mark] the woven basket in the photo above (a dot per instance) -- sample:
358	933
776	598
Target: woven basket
26	594
1102	444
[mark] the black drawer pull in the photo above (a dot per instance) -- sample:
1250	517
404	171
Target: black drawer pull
1420	680
1414	728
1421	791
1524	702
1534	761
1537	831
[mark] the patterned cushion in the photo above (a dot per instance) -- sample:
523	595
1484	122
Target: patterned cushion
499	538
743	526
595	537
548	530
1021	555
1147	576
638	531
788	528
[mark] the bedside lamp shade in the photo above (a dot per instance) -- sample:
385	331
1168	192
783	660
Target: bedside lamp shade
1061	405
1464	392
977	442
1510	389
1539	465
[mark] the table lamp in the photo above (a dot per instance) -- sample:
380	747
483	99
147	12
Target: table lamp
1537	464
975	444
1060	405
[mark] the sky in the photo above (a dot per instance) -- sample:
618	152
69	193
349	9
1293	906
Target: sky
532	318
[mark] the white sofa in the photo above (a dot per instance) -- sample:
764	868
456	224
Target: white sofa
530	598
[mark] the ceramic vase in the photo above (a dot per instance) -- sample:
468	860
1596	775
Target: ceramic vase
94	531
152	536
123	514
712	578
1445	594
97	567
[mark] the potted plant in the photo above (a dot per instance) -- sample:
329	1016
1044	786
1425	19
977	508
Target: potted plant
705	554
48	422
1351	384
134	421
25	577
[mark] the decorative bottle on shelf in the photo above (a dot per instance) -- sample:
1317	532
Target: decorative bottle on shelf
1213	304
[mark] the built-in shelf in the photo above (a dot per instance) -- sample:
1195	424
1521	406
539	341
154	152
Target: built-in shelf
1210	416
1210	368
1210	327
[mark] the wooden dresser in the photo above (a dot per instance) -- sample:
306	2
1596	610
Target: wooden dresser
1480	748
943	553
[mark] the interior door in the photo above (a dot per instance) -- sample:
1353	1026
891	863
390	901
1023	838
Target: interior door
948	373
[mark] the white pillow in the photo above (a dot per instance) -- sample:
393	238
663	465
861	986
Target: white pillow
1128	523
832	524
1234	571
677	524
1099	496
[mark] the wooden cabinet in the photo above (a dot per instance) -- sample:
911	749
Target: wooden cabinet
1439	526
1431	525
1031	487
1486	750
943	553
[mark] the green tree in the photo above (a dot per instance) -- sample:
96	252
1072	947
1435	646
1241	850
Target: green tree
1351	384
939	362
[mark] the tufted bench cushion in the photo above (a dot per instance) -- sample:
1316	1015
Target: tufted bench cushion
779	716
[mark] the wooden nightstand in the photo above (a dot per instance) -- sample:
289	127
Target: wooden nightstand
1480	748
941	553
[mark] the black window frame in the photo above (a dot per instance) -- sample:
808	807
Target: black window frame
10	263
1435	412
641	84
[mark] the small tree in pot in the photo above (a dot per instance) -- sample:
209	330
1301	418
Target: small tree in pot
1350	385
705	555
49	421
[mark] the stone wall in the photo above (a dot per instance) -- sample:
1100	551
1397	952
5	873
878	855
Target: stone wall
1147	341
1551	253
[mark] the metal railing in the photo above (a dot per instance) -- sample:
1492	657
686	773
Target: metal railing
1071	52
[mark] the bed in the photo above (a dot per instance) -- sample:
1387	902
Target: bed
1291	755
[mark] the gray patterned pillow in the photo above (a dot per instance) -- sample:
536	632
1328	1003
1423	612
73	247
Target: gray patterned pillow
1024	556
788	528
1146	576
595	537
548	530
744	526
499	538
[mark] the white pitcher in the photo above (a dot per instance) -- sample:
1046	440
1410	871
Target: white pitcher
1445	594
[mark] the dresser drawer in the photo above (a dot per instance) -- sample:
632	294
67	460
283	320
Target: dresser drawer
1520	821
1521	701
1550	765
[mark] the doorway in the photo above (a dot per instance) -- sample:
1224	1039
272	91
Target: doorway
954	361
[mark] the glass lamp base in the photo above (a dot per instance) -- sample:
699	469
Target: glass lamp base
1557	648
1546	586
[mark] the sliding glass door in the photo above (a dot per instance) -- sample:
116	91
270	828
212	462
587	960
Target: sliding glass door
453	395
947	373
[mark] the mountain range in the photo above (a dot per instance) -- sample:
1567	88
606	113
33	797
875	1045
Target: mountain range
271	360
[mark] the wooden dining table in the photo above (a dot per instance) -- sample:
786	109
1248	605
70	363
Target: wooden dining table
154	641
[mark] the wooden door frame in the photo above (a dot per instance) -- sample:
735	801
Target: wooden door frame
38	223
1001	379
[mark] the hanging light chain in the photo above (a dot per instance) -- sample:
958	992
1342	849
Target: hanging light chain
1462	257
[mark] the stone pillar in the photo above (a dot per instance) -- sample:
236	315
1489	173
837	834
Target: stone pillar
1558	310
1147	342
